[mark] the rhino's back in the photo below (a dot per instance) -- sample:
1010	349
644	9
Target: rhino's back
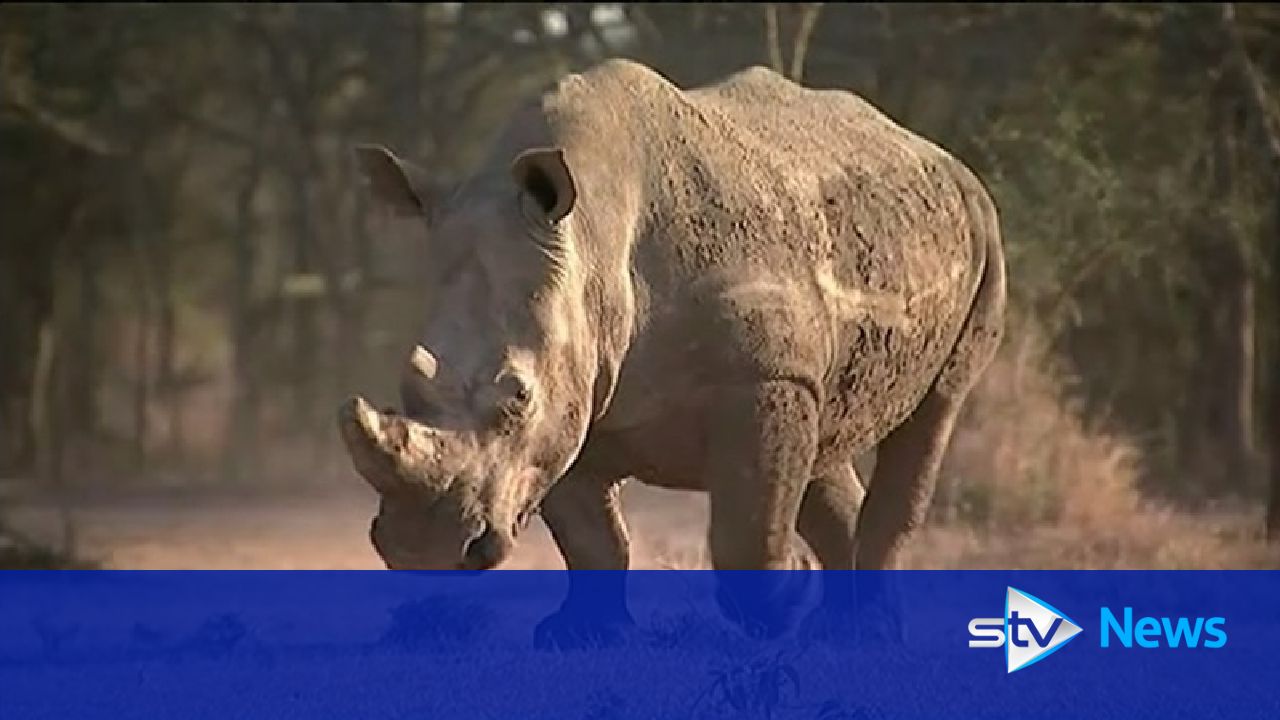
790	231
817	132
885	204
887	248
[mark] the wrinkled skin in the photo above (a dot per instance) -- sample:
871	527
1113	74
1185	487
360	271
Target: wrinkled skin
737	289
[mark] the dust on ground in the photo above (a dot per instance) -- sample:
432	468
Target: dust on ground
314	530
323	529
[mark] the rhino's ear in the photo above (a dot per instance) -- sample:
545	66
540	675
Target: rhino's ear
396	183
544	174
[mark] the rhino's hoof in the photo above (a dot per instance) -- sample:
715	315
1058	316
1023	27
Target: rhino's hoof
566	630
882	626
835	626
846	627
758	621
761	610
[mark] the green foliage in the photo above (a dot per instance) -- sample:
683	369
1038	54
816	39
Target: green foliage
1078	175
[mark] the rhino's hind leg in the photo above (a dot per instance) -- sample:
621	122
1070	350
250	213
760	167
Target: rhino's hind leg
828	523
829	516
903	483
908	460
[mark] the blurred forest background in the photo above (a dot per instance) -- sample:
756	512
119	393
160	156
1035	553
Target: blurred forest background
191	279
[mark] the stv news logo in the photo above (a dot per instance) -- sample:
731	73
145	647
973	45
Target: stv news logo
1030	630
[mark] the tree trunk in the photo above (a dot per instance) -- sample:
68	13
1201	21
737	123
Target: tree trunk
1226	379
240	457
1238	390
34	229
304	307
143	321
1273	504
25	298
49	403
141	386
800	48
46	430
1267	129
168	387
84	364
353	311
772	44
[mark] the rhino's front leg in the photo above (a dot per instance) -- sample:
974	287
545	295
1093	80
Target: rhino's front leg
584	516
764	441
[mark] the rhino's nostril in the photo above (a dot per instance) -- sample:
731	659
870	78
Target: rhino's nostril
484	551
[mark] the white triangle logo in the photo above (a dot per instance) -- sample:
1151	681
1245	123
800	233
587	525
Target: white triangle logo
1033	629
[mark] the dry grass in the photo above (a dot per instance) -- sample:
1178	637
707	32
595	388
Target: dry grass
1028	483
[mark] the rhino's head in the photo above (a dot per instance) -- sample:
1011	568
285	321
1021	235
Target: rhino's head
498	393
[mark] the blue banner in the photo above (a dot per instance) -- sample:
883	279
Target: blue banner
641	644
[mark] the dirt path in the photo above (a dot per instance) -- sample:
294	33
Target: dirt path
317	531
313	530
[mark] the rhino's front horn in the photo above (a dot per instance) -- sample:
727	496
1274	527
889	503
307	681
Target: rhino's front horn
391	451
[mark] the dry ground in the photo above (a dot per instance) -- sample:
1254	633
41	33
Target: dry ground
1028	483
328	530
315	530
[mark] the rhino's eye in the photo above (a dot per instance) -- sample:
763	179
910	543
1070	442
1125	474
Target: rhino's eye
516	394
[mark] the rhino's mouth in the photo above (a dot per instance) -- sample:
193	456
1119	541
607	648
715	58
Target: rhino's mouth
483	549
438	543
431	518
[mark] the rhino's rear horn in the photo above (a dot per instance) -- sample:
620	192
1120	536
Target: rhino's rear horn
423	363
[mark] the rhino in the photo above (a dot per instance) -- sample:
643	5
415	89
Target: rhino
738	289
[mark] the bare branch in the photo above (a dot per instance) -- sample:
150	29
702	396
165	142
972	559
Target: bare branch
20	95
1253	82
645	24
772	44
214	130
177	110
800	49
